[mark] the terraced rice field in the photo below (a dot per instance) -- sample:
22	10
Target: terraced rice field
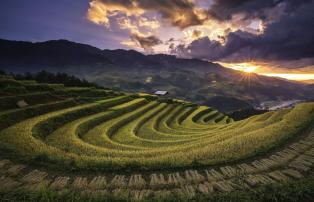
139	147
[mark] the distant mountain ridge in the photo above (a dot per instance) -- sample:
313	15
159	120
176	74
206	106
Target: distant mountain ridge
50	53
192	79
63	52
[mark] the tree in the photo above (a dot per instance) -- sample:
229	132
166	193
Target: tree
62	78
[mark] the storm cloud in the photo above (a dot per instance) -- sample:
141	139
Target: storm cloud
225	30
146	42
225	9
179	13
289	38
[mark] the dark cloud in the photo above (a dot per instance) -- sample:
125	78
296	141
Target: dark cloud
225	9
146	42
179	13
290	38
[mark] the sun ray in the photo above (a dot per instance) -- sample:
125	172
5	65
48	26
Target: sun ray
260	69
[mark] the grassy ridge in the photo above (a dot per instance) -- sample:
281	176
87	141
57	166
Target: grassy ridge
113	140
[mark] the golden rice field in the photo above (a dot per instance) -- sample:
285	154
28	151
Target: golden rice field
102	142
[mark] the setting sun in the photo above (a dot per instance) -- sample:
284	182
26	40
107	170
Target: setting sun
265	70
247	67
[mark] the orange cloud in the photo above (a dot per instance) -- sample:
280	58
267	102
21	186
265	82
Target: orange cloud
144	18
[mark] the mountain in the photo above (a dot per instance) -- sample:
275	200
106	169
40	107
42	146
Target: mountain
57	53
191	79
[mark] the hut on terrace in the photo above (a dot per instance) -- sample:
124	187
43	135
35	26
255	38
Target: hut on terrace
161	93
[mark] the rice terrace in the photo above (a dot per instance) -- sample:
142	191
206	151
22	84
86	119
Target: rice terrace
101	142
157	101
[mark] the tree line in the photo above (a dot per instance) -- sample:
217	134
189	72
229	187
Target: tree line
53	78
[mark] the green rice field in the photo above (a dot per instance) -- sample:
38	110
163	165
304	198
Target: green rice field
102	142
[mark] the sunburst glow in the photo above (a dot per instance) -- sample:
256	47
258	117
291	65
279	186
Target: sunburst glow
262	69
248	67
297	77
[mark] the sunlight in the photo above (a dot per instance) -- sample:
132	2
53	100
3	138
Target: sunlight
248	67
291	76
261	69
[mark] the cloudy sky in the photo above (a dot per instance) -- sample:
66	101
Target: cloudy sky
272	36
